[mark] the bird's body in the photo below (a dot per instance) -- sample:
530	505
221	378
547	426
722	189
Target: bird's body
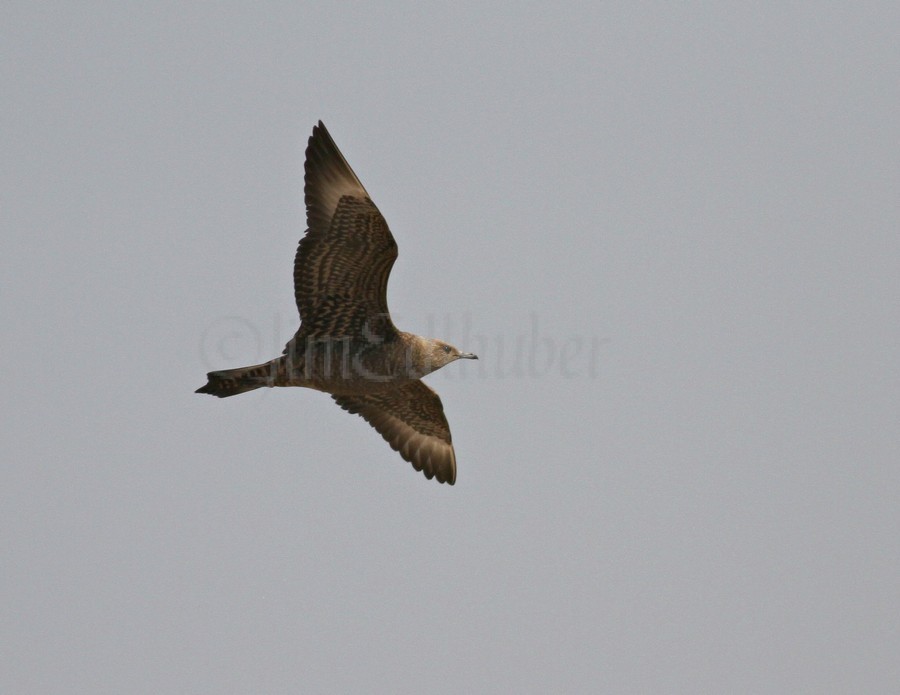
347	344
339	366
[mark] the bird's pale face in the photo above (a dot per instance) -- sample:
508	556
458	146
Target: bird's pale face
440	354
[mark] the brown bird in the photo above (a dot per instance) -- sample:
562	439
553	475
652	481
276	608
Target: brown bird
347	344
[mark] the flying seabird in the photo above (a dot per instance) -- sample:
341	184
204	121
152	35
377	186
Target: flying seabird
347	345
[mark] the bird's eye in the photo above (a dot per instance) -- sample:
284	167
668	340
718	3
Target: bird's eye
447	349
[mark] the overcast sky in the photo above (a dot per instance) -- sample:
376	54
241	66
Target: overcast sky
670	230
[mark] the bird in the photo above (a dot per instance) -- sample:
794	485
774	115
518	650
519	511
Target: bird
347	344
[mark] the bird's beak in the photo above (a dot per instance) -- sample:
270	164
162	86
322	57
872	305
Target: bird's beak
468	356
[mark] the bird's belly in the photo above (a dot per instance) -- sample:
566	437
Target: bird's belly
343	367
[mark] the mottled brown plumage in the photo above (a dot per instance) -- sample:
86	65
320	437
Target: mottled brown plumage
347	344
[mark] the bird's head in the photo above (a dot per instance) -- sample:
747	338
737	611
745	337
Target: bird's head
435	354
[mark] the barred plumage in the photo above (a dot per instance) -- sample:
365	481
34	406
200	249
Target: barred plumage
347	344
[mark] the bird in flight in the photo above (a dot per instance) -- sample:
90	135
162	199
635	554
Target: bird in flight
347	345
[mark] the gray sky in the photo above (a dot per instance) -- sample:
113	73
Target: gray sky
672	233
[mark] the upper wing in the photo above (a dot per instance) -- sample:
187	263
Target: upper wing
343	262
411	419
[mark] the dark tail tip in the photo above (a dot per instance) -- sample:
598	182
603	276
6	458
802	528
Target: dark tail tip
209	388
223	384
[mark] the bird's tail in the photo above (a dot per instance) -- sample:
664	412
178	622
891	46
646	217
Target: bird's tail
230	382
